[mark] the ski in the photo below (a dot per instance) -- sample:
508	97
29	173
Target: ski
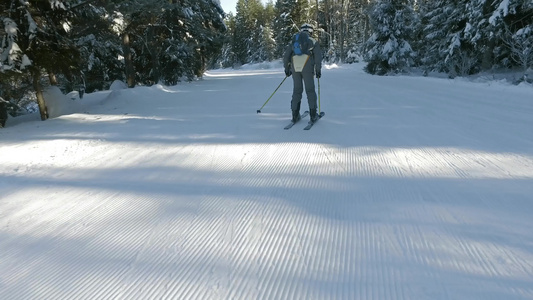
313	123
292	123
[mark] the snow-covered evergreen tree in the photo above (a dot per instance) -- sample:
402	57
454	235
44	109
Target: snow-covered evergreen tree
449	39
266	46
227	58
97	35
520	45
178	42
464	37
358	30
284	25
35	41
267	40
290	15
512	22
252	40
389	47
244	27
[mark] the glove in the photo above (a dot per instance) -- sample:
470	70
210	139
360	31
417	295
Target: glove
318	74
288	72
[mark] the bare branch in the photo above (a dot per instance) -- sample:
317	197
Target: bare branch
521	47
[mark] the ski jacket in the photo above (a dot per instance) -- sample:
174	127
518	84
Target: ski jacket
313	64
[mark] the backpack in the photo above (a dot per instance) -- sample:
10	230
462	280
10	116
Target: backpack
301	43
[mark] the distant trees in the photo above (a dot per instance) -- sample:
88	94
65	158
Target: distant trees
167	41
87	44
520	45
389	48
465	37
456	37
251	38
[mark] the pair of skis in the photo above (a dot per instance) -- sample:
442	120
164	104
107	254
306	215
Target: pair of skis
309	125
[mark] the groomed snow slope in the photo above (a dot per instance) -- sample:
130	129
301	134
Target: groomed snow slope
408	188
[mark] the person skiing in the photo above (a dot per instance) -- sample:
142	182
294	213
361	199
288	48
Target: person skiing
303	66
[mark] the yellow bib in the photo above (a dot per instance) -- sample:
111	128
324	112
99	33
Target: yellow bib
299	61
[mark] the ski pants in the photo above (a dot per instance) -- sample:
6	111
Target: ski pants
299	79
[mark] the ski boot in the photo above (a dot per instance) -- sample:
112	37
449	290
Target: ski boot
296	116
313	115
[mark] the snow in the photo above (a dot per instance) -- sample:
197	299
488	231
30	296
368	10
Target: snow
11	49
56	4
409	188
59	104
26	62
501	12
10	27
119	24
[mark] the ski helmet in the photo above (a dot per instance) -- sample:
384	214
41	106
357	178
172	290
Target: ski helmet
307	27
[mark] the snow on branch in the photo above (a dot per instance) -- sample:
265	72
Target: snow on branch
10	51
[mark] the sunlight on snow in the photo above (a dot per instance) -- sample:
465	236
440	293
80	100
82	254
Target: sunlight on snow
247	158
374	161
239	73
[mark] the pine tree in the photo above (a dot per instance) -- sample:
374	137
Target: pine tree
268	42
512	23
96	33
227	56
36	41
284	25
252	37
358	30
169	41
389	48
464	37
446	32
291	14
243	29
258	34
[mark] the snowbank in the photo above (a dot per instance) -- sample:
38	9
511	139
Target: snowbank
59	104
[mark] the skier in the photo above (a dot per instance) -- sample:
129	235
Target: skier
302	68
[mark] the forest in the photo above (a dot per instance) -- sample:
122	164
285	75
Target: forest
85	45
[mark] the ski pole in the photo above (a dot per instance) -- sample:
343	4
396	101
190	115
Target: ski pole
259	110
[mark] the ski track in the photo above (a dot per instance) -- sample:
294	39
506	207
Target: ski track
389	212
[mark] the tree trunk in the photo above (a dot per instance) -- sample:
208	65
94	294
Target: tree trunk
487	59
36	76
343	15
328	27
3	112
150	40
130	73
52	78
